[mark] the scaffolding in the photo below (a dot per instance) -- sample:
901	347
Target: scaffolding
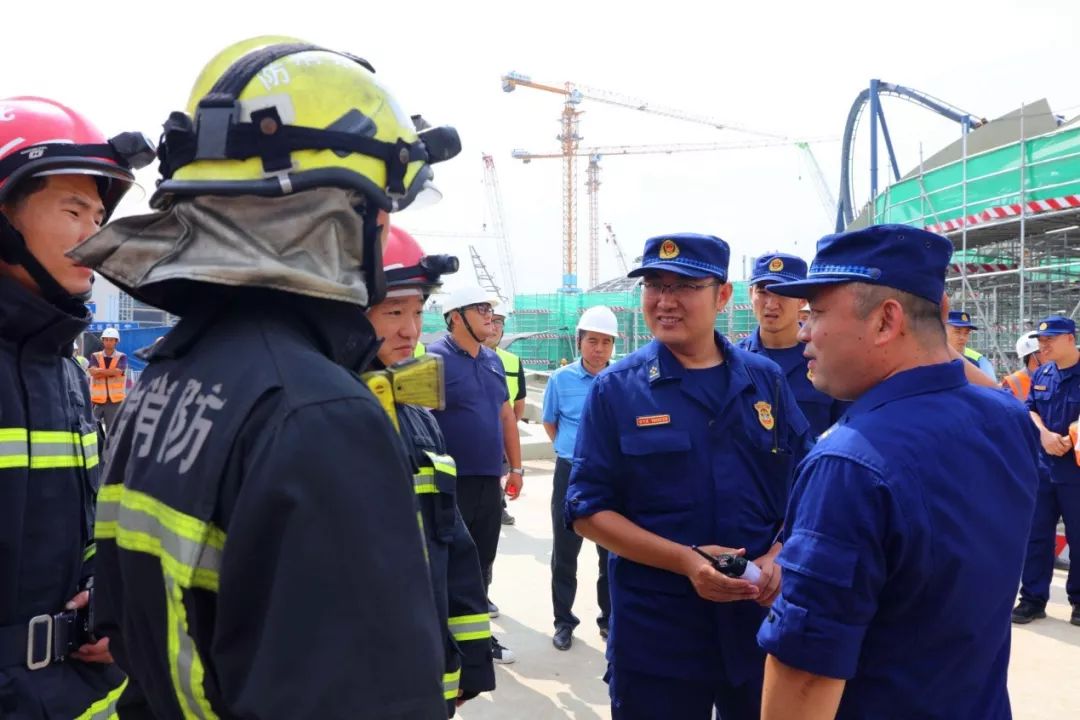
1013	214
546	322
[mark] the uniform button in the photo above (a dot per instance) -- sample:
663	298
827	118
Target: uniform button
711	423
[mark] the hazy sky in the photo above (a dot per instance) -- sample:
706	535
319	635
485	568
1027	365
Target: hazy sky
789	68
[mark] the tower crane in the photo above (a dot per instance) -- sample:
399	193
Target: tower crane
498	219
619	256
483	276
825	196
592	175
573	94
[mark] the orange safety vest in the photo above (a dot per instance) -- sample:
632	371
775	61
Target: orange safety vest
111	389
1019	384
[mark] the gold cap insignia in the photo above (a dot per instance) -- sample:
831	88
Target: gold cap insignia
668	250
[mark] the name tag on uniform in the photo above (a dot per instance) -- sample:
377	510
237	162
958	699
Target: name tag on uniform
650	420
1040	387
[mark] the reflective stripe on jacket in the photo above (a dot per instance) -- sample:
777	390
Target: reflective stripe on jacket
110	389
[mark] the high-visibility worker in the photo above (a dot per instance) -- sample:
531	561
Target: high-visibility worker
460	598
515	371
108	378
60	178
259	550
1027	349
515	383
958	328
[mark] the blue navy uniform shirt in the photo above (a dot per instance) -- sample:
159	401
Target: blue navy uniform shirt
905	538
475	393
695	468
1055	396
821	411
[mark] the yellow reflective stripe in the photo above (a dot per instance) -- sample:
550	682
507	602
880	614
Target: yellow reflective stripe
185	665
450	682
14	460
189	550
47	449
12	435
13	450
89	552
105	708
442	463
470	627
90	450
422	482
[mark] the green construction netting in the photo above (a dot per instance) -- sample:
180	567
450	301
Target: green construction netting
1050	166
554	316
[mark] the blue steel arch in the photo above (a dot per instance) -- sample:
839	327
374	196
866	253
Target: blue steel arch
872	96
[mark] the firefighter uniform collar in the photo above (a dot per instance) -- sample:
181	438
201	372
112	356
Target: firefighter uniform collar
916	381
44	328
662	366
340	330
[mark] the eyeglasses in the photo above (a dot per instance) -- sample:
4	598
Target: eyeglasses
483	308
678	290
498	321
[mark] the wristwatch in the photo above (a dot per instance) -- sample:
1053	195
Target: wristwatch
520	471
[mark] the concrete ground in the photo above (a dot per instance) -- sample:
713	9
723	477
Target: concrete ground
546	684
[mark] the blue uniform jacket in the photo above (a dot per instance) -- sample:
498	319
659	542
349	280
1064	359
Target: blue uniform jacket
651	450
906	534
1055	396
821	410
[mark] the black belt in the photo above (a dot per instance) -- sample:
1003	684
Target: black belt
44	640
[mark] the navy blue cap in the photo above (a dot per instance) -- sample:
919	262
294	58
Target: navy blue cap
690	254
960	319
896	256
1056	325
778	267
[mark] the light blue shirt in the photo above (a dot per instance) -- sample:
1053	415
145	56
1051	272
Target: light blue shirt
564	399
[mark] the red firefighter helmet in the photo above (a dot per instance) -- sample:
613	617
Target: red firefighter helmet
43	137
408	269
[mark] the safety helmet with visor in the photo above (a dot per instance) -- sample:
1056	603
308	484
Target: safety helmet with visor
41	137
409	270
271	116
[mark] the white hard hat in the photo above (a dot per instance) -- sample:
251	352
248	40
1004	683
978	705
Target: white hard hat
1027	344
599	319
110	332
505	309
469	295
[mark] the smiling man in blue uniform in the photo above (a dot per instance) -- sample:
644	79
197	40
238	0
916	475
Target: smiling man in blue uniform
908	521
1054	403
687	441
776	337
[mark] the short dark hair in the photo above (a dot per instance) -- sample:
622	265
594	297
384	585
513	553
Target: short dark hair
923	316
24	189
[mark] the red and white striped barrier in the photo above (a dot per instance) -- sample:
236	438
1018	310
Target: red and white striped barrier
1034	207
